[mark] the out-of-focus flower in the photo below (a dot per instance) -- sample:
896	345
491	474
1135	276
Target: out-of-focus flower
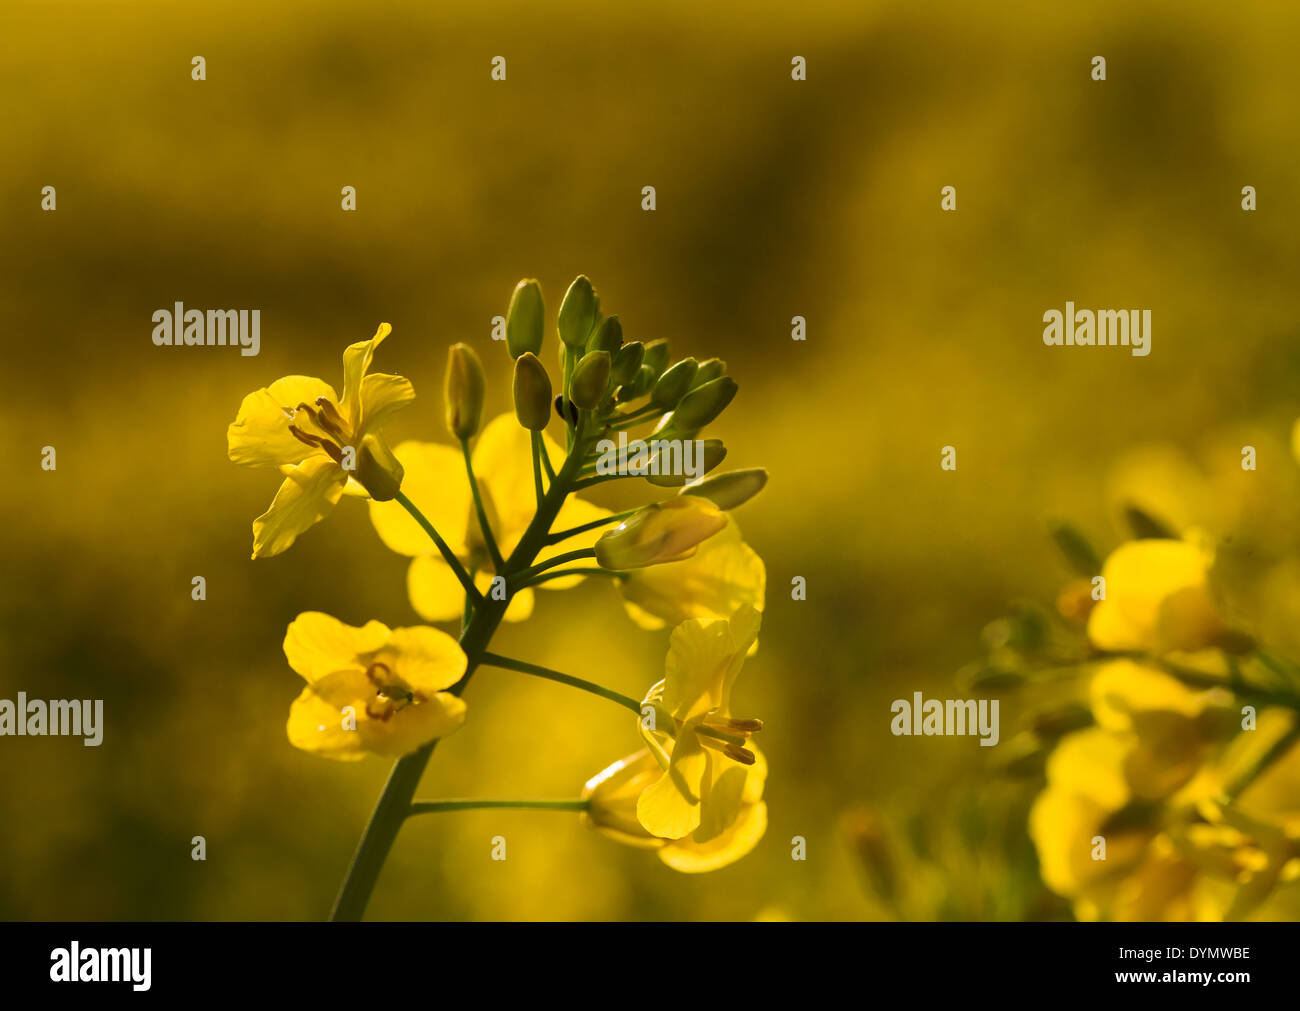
436	482
1157	599
661	532
371	690
319	441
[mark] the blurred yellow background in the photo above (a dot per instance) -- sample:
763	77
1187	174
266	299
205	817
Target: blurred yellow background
775	198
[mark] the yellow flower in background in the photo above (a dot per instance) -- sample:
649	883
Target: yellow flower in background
612	797
319	441
661	532
438	485
723	574
371	690
699	746
1157	598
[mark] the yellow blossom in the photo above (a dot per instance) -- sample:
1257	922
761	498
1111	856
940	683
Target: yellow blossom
1157	599
437	484
661	532
322	443
371	690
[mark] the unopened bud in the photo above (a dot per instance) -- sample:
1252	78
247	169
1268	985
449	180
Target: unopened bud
578	313
590	379
703	404
656	356
525	319
711	452
626	362
463	391
729	490
708	371
673	384
661	532
532	391
607	337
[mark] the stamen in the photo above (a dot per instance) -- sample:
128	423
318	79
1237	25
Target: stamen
330	419
733	751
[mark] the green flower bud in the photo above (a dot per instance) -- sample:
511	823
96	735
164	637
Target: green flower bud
656	356
378	470
639	386
726	491
579	313
703	404
627	362
709	371
532	392
590	379
673	384
525	319
661	532
713	452
463	390
607	337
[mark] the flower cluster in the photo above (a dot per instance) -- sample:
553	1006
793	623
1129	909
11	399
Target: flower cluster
494	516
1161	725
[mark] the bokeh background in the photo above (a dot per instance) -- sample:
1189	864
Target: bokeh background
775	198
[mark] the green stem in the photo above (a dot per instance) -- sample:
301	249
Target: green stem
537	467
486	527
593	570
1276	750
434	806
519	578
506	663
448	555
395	802
546	457
564	535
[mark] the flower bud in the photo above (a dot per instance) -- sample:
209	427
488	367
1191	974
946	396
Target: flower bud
627	362
532	392
661	532
463	390
607	337
525	319
712	452
703	404
708	371
656	356
726	491
673	384
578	313
590	379
378	470
639	386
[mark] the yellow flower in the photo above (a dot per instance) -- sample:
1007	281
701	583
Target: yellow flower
1157	598
661	532
319	441
371	690
723	574
612	797
437	484
701	785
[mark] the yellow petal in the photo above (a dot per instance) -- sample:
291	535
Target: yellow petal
414	726
356	363
670	807
434	590
434	481
382	396
704	658
611	797
722	575
427	660
503	464
259	436
305	498
691	857
1156	598
317	644
317	720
